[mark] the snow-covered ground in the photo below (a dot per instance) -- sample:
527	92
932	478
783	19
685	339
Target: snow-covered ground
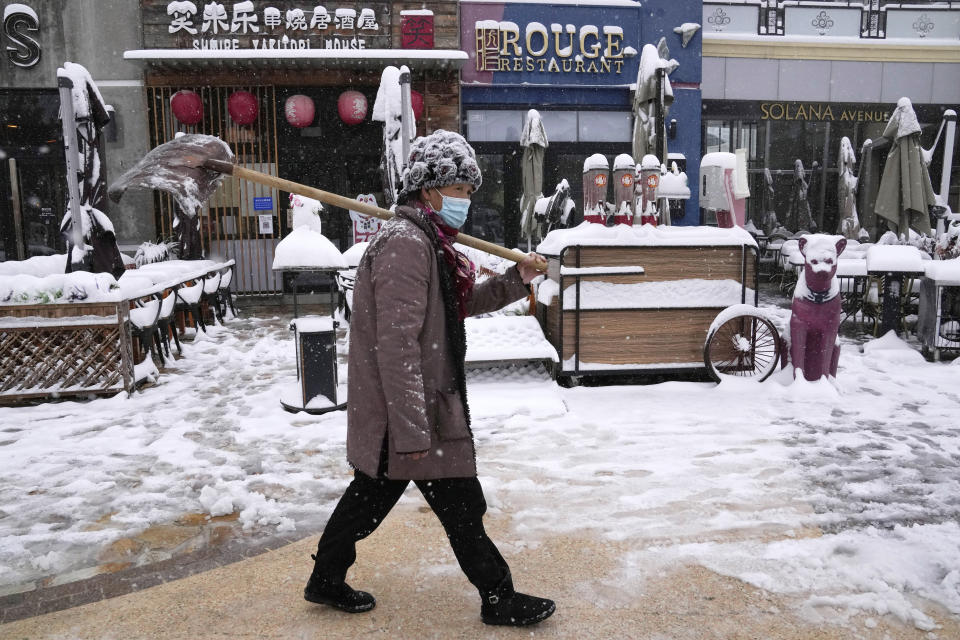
846	495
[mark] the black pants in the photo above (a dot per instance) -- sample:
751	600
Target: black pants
457	502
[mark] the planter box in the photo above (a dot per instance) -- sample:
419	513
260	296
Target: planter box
630	309
54	350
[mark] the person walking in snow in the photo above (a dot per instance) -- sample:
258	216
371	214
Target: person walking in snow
407	414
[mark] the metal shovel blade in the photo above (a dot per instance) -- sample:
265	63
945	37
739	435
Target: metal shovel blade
177	168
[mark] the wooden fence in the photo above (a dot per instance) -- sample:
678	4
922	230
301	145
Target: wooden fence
52	350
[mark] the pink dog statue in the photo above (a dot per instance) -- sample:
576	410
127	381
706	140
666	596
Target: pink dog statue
814	348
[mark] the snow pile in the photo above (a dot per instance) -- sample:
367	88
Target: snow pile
352	255
304	248
624	161
36	266
592	234
674	185
149	252
722	159
667	294
306	212
842	496
596	161
79	286
944	271
874	571
502	338
895	258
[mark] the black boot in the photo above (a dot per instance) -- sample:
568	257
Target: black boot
502	605
338	595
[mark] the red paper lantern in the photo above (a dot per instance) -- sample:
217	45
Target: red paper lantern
187	106
242	107
416	101
352	107
299	111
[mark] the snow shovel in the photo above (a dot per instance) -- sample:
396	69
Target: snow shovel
190	168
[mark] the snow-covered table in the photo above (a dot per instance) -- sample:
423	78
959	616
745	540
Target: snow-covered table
896	266
938	318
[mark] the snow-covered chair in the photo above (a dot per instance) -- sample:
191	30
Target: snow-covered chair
188	301
166	321
143	325
224	295
211	294
345	279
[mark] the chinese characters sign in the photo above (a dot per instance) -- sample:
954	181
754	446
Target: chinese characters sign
264	25
416	28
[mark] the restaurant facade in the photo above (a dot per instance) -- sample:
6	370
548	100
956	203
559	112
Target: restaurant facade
788	80
575	63
290	86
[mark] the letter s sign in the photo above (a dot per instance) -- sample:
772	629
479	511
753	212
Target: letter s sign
18	20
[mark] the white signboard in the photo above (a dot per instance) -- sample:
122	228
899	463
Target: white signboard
364	226
265	222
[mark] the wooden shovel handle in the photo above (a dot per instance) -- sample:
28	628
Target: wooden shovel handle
343	202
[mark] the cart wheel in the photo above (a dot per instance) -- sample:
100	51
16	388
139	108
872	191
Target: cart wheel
742	346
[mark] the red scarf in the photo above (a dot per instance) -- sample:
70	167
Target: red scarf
463	269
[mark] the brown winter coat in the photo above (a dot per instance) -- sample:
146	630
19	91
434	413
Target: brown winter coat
402	373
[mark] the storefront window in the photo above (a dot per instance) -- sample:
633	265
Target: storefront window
506	125
776	135
32	174
493	125
561	126
605	126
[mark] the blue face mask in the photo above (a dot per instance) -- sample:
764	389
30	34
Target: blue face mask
454	210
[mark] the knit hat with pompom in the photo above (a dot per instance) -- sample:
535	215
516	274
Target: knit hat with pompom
439	160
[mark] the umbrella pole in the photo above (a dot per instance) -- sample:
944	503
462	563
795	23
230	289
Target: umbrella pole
406	125
951	117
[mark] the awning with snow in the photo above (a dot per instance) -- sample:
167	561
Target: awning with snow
296	58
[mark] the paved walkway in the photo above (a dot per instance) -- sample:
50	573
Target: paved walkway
421	593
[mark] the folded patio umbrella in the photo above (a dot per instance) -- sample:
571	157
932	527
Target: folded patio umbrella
534	142
905	194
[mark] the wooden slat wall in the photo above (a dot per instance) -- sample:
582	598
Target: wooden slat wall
255	147
639	336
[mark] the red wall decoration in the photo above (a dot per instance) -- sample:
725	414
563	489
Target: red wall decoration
416	31
187	106
299	111
352	107
242	107
416	102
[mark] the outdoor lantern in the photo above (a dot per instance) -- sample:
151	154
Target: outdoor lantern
242	106
299	111
352	107
416	101
187	106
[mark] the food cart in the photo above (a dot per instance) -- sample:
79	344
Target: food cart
628	300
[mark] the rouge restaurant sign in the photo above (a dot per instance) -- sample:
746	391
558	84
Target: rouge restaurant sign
823	112
543	43
260	25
